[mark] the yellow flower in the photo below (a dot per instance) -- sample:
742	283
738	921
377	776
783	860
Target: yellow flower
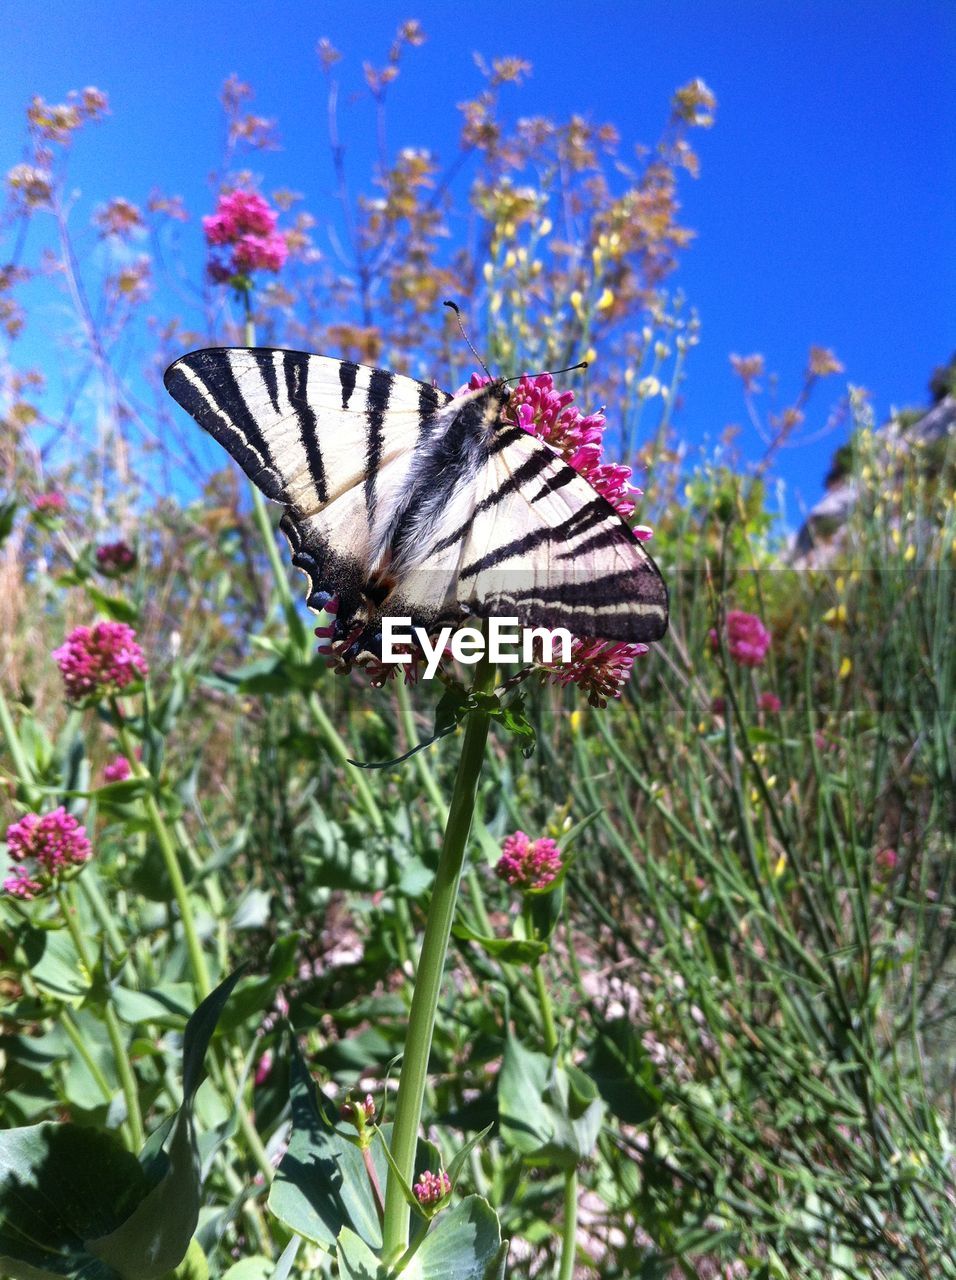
780	866
846	666
605	301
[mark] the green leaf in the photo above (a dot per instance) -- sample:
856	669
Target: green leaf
463	1241
356	1260
507	950
50	1206
115	607
550	1114
624	1072
74	1203
258	1267
166	1006
322	1184
7	512
513	720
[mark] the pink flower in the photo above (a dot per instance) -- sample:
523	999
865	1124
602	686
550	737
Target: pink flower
359	1113
253	253
528	866
432	1188
246	225
49	504
886	861
718	706
747	638
551	416
45	848
117	770
100	661
263	1068
114	558
769	702
598	667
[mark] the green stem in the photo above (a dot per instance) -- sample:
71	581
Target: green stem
197	958
544	1002
340	752
421	1021
570	1229
134	1118
75	1037
23	770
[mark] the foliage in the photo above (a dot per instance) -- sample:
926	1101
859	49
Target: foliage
720	1042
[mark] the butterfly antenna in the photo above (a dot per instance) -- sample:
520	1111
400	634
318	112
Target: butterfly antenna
553	373
454	306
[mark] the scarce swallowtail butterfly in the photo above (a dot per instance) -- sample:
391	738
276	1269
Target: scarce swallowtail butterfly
403	501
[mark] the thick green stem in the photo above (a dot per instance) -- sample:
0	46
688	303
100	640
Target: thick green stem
544	1003
421	1021
570	1229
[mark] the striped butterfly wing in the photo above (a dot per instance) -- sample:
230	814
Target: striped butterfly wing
400	500
333	441
538	543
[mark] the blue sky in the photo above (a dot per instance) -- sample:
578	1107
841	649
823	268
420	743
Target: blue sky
824	211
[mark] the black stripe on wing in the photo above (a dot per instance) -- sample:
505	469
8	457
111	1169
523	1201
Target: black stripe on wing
580	522
296	370
376	407
206	387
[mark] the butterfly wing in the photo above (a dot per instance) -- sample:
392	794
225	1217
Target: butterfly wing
537	542
332	441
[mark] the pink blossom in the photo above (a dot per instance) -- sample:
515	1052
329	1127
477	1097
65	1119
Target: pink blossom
117	770
239	213
266	253
100	661
50	504
526	865
45	848
263	1068
359	1113
769	702
886	861
551	416
245	225
600	668
747	638
114	558
718	706
432	1188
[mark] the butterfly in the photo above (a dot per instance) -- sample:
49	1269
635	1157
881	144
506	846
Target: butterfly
403	501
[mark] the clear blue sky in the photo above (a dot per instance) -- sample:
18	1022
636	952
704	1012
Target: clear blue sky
825	208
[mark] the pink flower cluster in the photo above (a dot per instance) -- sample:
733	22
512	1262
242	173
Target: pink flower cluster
117	770
45	848
747	639
114	558
49	504
598	667
529	866
100	661
432	1188
552	416
245	225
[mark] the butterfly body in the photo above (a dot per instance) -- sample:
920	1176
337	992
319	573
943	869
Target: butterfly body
403	501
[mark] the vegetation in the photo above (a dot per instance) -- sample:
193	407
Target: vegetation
717	1042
